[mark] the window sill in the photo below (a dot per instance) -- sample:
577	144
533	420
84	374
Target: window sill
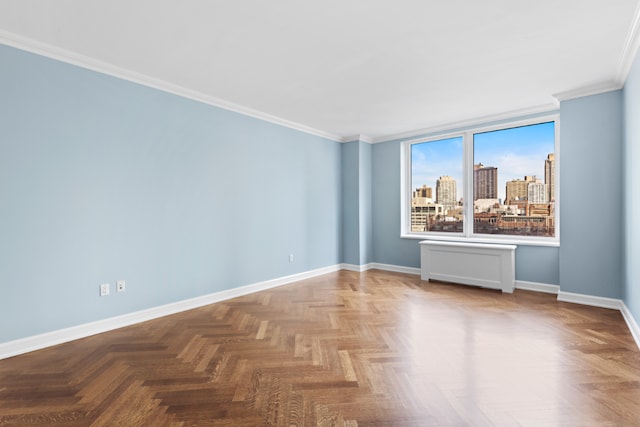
510	240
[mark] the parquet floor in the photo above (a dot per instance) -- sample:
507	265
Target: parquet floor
343	349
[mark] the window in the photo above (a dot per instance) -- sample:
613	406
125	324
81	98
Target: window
508	173
436	170
513	174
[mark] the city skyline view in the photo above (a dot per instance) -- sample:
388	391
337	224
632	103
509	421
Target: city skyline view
515	152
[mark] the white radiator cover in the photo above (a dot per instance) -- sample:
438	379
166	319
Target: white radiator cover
479	264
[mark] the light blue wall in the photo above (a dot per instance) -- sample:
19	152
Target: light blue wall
357	216
350	203
102	179
587	262
591	194
366	195
538	264
533	264
388	247
631	287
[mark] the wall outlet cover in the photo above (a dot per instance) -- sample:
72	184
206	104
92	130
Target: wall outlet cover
104	289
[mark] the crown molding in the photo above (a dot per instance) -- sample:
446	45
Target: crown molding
538	109
594	89
627	56
630	49
73	58
363	138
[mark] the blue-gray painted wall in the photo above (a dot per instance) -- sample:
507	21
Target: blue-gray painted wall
102	179
365	203
587	262
591	146
357	216
631	287
533	263
350	203
388	247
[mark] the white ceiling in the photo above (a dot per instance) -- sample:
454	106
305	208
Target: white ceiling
340	68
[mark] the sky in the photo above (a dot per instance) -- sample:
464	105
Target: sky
516	152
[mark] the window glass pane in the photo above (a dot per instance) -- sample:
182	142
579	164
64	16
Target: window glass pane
437	186
514	181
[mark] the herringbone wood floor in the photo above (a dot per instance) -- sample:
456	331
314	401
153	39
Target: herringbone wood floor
352	349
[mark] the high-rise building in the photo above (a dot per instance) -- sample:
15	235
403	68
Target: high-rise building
485	182
446	192
550	176
423	214
517	190
537	192
423	191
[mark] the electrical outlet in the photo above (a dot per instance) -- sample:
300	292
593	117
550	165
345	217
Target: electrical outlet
121	286
104	289
290	257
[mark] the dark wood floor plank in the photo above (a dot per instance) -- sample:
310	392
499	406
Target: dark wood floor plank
343	349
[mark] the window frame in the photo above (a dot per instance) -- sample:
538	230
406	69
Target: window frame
468	234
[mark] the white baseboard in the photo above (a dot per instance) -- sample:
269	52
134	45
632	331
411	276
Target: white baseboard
615	304
36	342
520	284
603	302
378	266
395	268
631	323
356	268
537	287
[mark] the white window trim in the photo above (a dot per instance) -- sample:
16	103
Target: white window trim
468	235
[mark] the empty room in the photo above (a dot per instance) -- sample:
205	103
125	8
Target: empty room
337	213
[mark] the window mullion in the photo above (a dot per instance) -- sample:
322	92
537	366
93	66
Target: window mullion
467	174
